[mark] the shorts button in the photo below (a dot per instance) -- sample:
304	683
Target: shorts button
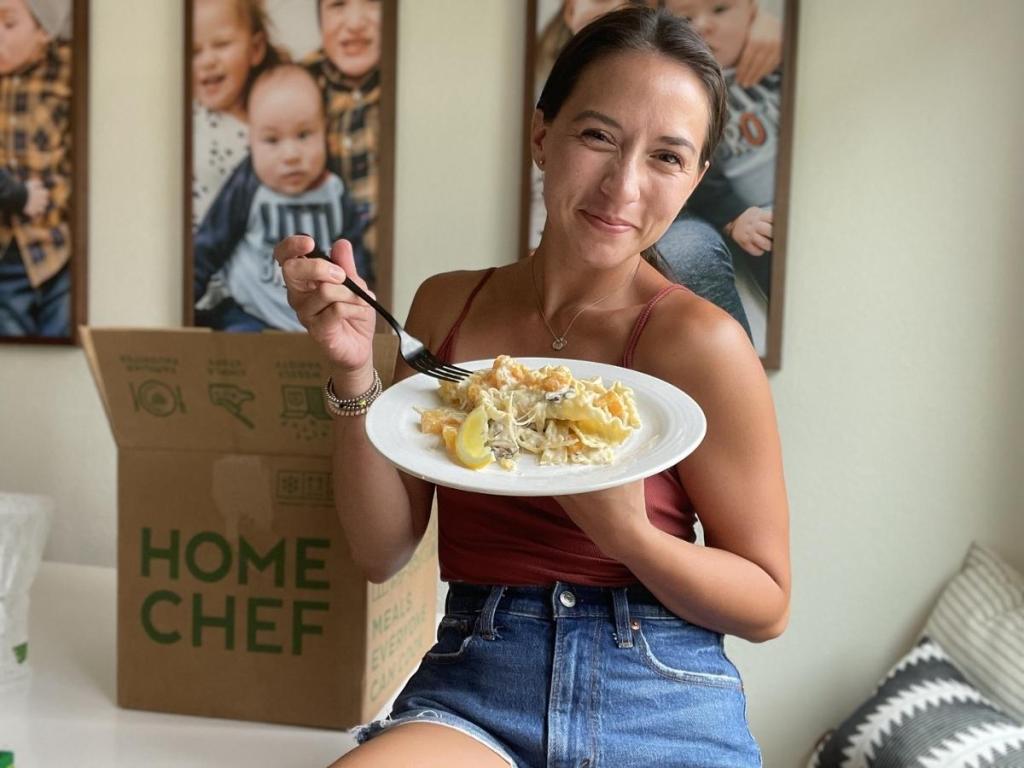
567	598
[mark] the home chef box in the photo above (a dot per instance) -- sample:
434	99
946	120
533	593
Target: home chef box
236	593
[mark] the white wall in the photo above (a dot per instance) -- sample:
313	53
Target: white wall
898	399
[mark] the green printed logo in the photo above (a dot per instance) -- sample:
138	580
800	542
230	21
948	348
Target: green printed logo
21	653
295	486
303	408
266	623
300	402
231	398
157	398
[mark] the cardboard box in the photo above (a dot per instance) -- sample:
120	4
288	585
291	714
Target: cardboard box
236	593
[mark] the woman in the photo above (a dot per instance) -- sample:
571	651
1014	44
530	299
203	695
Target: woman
587	629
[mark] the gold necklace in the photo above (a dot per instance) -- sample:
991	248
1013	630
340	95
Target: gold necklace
559	340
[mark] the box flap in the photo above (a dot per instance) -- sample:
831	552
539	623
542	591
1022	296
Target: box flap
202	390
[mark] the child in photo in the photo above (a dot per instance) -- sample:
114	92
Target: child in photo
281	188
230	46
35	143
347	71
738	191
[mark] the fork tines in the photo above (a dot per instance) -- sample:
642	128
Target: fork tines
430	365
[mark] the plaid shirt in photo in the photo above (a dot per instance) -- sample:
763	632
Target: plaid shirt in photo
35	142
353	137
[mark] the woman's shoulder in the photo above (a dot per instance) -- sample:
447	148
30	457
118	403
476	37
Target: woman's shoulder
440	300
448	286
706	341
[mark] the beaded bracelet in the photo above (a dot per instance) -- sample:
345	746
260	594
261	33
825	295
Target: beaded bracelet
351	406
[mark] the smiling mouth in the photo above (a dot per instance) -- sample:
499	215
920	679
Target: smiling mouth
212	81
355	46
607	225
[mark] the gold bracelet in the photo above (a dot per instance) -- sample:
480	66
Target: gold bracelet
351	406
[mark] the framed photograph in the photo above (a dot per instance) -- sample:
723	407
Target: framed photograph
728	243
289	129
44	47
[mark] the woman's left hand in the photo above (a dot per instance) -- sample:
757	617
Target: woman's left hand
611	518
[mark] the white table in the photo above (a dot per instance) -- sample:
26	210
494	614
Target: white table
67	716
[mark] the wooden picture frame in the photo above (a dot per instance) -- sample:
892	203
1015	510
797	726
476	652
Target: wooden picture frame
758	282
222	175
44	166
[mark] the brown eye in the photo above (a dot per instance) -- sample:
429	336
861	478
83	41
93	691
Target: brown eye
671	158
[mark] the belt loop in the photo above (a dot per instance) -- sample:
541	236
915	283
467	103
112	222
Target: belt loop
623	630
486	621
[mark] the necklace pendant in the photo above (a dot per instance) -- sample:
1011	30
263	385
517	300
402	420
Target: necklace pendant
559	343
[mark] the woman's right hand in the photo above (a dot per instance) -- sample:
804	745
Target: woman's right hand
340	322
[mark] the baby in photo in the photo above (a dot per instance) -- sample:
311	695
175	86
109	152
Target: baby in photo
738	191
281	189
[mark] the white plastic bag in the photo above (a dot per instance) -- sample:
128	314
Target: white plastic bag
24	525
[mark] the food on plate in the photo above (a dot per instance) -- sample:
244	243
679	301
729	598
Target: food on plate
500	413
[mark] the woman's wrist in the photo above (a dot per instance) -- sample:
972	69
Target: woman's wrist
348	384
630	542
356	405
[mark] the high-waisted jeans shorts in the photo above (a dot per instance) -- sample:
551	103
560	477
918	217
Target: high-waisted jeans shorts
571	676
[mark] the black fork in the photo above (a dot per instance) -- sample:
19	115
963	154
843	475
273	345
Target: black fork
413	351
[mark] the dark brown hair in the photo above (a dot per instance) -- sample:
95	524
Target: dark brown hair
641	30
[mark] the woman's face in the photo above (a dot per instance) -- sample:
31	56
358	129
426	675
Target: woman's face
351	35
622	156
224	50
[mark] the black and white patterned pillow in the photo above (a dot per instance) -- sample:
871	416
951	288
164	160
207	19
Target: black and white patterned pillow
979	620
924	714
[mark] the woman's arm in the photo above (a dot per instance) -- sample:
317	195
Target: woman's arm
383	512
739	582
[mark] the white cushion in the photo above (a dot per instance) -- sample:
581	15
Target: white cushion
979	621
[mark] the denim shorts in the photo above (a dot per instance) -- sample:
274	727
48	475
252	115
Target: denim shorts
570	676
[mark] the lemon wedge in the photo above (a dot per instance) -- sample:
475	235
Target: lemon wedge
471	441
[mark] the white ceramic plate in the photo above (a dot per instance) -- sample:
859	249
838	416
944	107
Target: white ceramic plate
672	426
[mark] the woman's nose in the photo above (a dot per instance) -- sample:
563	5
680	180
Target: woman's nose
622	180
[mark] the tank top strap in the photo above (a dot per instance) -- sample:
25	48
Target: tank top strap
445	350
638	327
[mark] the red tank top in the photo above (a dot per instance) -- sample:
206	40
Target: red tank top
486	539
